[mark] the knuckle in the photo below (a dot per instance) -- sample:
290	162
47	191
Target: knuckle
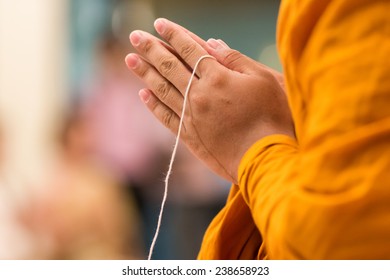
153	106
142	71
163	90
216	80
167	66
187	50
201	102
231	58
169	34
167	118
147	46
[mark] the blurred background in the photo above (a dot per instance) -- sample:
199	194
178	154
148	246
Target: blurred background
82	162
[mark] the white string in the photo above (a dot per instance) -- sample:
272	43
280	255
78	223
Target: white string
174	154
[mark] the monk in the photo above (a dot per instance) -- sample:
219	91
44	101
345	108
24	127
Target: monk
307	151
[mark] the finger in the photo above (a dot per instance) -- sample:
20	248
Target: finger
164	114
161	87
238	62
166	63
230	58
188	49
173	51
195	37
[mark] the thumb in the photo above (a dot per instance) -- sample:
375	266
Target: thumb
230	58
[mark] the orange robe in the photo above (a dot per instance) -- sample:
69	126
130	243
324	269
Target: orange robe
325	195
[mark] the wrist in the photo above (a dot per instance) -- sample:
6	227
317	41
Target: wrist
259	147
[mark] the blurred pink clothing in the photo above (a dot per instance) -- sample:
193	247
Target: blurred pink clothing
125	135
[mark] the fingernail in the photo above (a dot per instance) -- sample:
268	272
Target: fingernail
215	44
160	24
144	95
132	60
135	38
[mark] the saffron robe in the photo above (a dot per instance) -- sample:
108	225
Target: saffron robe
325	194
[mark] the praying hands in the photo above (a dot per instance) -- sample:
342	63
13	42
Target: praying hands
233	100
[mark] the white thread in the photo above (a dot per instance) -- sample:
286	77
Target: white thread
174	154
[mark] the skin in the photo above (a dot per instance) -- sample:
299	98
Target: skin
234	101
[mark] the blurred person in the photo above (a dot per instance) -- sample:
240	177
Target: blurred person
307	151
84	212
80	211
124	137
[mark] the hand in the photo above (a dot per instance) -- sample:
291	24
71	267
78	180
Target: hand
233	102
